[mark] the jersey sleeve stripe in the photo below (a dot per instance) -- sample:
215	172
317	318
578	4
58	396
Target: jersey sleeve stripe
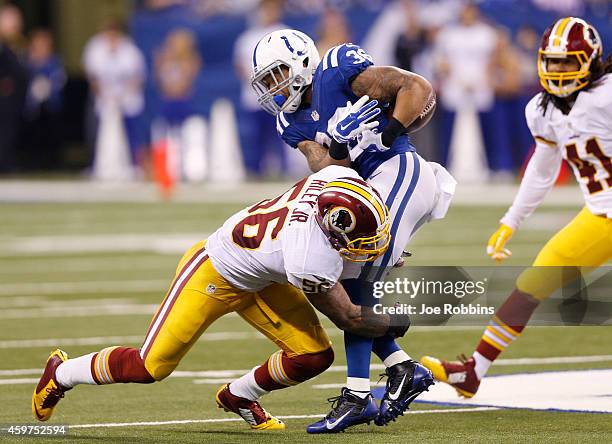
327	58
283	119
279	127
334	56
545	141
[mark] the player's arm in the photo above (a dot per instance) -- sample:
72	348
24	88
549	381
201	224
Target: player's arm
335	303
413	96
318	156
540	176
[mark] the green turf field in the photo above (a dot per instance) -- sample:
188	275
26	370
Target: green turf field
85	276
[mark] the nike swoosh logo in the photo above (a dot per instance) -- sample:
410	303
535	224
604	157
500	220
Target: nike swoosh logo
394	396
457	378
342	128
332	425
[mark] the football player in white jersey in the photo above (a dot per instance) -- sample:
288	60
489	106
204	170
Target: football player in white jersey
571	119
265	263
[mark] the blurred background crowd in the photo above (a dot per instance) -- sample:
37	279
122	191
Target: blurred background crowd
129	90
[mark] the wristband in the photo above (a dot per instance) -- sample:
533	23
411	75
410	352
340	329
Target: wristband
337	150
393	129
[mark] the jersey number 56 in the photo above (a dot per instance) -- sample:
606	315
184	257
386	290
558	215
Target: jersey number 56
250	232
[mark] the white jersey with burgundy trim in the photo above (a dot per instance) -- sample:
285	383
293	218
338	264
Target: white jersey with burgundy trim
584	139
279	240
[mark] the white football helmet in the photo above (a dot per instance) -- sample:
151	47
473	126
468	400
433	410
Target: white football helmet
288	49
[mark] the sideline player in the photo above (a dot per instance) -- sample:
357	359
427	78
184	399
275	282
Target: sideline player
322	109
265	263
571	119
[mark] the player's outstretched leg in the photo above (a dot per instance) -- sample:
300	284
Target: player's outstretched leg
111	365
406	380
278	372
504	328
355	404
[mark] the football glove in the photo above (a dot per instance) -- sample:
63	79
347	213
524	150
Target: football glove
369	141
350	121
496	248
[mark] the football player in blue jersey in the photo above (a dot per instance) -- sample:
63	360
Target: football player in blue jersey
344	110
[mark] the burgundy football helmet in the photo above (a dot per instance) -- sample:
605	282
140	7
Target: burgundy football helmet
568	37
355	219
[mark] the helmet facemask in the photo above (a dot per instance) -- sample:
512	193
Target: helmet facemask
279	78
563	84
367	249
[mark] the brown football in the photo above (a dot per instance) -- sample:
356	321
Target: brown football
423	119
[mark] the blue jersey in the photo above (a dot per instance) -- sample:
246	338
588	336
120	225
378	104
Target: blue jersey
331	89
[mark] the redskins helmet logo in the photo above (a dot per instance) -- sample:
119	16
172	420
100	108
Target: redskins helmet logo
342	220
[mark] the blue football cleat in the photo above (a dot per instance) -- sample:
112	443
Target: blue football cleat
347	410
405	382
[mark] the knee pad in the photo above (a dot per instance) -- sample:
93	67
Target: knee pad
157	368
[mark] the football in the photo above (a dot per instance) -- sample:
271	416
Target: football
423	118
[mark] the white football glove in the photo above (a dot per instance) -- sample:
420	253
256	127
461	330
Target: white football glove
350	121
369	141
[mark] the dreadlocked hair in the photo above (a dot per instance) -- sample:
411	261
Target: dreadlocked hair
599	68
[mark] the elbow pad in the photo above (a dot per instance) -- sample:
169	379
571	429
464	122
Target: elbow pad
398	325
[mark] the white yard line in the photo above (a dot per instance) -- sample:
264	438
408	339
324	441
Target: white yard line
28	302
100	243
19	381
64	342
217	374
553	360
40	265
216	420
79	311
21	371
86	287
101	340
19	191
211	381
339	385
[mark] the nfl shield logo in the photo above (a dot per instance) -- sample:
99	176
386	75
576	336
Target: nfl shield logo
315	116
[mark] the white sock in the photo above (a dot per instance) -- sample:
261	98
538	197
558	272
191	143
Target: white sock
247	387
482	365
396	358
358	386
75	371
